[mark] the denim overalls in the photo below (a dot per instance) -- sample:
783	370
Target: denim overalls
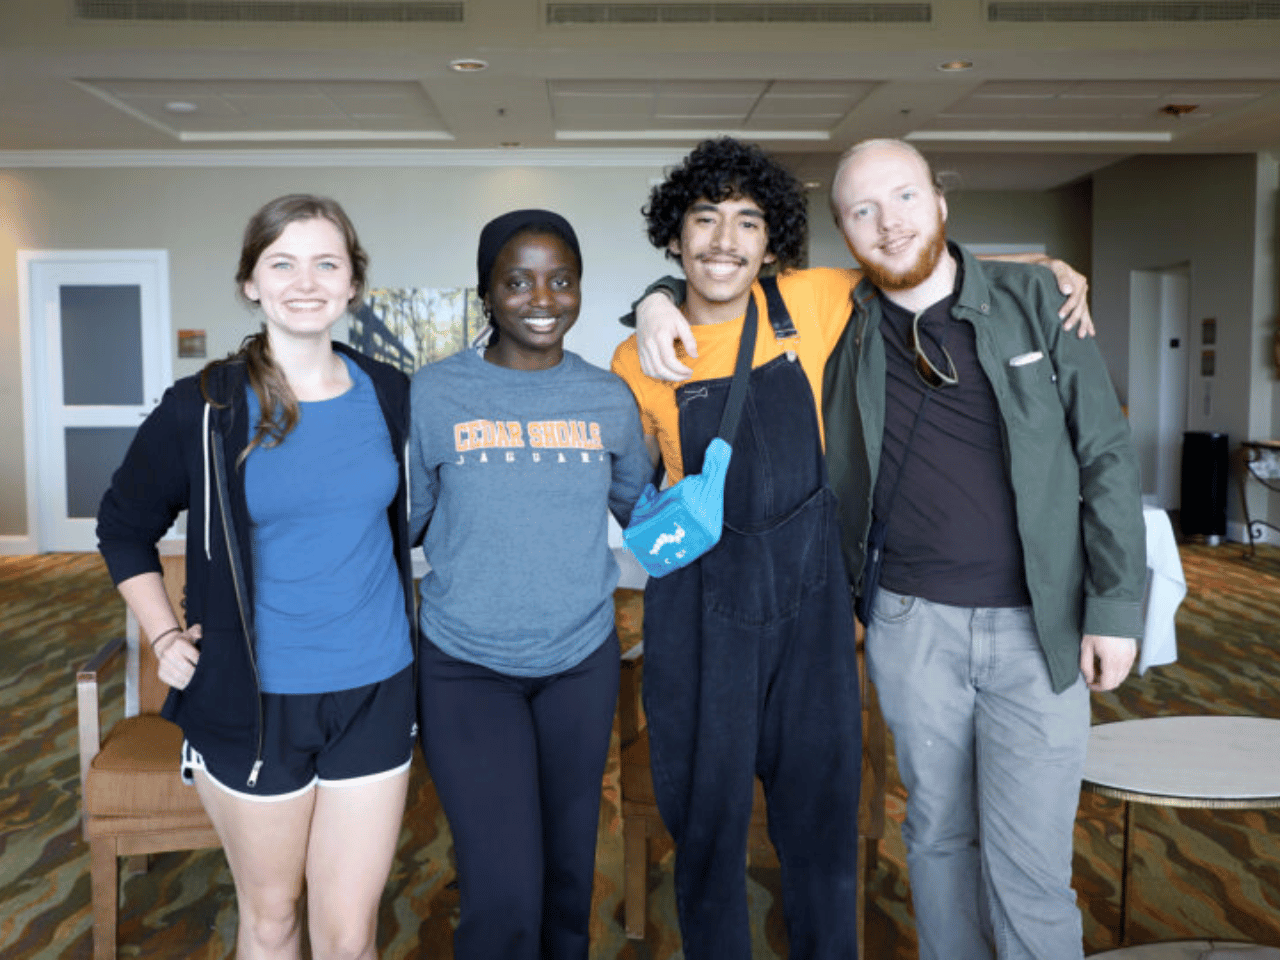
750	669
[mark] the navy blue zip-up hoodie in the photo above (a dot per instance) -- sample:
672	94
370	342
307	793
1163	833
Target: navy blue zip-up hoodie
184	457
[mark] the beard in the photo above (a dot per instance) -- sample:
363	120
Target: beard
914	275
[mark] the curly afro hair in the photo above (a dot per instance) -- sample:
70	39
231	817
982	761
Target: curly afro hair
727	169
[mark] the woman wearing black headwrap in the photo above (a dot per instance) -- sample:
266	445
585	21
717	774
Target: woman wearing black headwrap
518	450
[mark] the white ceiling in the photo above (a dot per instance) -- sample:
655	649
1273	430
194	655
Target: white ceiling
1057	90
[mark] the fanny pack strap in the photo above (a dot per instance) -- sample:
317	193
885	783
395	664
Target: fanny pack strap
741	374
906	450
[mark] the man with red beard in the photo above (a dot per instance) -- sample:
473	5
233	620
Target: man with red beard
985	473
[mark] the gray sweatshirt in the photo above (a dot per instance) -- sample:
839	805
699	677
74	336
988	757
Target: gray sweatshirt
511	472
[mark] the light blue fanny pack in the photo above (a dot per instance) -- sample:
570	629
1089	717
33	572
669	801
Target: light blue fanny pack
671	528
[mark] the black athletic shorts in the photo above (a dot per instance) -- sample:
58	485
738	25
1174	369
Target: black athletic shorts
330	739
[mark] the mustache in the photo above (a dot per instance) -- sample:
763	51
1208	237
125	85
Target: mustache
740	261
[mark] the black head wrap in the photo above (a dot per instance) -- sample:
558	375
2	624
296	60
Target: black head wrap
499	230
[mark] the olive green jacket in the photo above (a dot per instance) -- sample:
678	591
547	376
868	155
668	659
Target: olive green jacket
1066	443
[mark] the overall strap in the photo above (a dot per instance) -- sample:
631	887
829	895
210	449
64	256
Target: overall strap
741	375
779	315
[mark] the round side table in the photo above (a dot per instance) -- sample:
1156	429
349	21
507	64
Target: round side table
1224	763
1184	950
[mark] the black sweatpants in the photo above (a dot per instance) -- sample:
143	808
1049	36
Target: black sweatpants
518	763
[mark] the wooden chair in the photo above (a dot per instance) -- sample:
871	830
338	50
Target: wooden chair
133	799
640	818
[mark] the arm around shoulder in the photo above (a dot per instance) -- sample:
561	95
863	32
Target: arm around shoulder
1072	284
660	329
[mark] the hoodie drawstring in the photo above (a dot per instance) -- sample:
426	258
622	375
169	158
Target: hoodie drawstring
208	553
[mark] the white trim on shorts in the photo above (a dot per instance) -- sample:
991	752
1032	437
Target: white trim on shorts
368	777
192	760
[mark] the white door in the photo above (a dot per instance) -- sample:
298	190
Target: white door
100	359
1175	353
1159	354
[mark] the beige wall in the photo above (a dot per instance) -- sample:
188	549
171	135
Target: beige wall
1211	213
419	225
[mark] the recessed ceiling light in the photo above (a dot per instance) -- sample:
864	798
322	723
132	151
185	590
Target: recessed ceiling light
180	106
812	184
955	66
468	65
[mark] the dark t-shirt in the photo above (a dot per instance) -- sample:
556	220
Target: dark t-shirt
953	531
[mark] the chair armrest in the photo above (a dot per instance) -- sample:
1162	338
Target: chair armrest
87	702
100	660
630	714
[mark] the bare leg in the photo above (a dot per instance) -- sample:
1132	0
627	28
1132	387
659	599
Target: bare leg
354	832
266	846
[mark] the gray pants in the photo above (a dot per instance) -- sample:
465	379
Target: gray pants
992	759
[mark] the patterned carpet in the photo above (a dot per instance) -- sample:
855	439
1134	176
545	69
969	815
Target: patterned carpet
1195	873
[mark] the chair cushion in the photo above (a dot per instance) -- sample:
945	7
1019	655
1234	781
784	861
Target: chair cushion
137	771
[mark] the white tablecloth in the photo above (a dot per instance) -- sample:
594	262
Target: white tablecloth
1166	586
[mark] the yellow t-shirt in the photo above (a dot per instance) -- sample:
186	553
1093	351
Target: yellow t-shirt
820	306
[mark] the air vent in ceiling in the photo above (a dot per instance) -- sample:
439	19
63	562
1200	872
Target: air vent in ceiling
274	11
1132	11
560	14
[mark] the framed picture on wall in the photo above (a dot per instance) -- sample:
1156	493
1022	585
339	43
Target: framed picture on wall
409	327
191	343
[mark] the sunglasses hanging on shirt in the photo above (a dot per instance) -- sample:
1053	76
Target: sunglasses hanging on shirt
928	371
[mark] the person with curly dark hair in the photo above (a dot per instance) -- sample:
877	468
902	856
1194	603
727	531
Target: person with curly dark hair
722	169
750	665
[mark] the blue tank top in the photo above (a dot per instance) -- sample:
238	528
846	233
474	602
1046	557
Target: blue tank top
328	603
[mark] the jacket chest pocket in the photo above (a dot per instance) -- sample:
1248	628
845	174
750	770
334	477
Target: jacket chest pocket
1032	392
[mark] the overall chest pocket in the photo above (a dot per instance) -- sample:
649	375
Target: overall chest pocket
761	575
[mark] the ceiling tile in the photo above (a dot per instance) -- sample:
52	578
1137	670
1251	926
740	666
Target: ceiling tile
1096	105
224	106
1022	88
